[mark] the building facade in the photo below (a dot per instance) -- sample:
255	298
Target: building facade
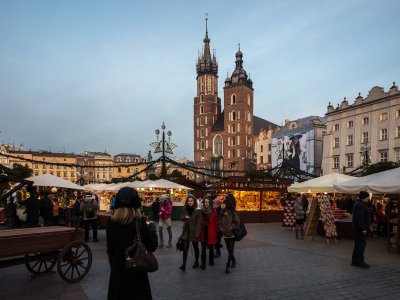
365	132
104	166
299	143
86	171
263	149
224	139
58	167
124	168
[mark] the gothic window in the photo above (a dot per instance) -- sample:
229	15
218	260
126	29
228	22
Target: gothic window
233	99
202	109
233	141
233	116
202	145
202	133
201	98
218	145
233	128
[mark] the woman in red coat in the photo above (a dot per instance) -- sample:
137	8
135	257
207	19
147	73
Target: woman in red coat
208	233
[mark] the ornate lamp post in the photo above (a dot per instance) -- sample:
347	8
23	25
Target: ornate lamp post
164	147
365	153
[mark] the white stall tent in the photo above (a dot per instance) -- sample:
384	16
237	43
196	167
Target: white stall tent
53	181
320	184
386	182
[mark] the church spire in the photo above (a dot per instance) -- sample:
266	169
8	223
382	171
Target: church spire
207	63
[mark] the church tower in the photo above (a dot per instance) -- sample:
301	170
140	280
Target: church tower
238	118
207	104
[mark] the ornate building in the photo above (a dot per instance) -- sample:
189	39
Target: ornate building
366	131
224	139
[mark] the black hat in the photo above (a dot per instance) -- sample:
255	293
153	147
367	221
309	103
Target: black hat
127	197
298	136
362	195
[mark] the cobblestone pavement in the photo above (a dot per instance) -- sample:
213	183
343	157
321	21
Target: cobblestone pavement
271	264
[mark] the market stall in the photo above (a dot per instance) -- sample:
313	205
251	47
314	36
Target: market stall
257	200
323	184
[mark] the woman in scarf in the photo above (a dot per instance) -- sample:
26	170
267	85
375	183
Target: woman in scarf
208	233
191	229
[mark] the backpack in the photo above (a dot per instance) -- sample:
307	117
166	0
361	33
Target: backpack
90	210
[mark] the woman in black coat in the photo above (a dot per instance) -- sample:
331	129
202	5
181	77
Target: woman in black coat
121	232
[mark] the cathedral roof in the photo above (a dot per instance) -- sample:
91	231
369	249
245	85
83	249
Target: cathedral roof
207	63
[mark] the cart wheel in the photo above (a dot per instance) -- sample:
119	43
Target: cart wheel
74	261
41	265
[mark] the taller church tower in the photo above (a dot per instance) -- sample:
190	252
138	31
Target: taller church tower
207	104
238	118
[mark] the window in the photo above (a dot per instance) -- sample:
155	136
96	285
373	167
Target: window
119	169
261	159
350	124
269	158
269	147
349	161
72	174
234	141
383	117
202	133
202	145
201	98
337	127
336	162
336	143
365	121
36	173
365	137
233	128
349	140
202	109
398	113
261	148
398	131
248	100
218	145
233	99
383	156
384	134
65	174
233	116
397	155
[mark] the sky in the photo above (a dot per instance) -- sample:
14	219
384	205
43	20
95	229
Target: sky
104	75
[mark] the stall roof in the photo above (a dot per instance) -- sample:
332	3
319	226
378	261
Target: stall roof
53	181
320	184
386	182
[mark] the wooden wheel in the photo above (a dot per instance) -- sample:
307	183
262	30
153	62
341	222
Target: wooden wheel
40	263
74	261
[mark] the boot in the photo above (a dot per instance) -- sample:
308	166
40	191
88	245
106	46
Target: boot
160	233
196	264
227	269
233	264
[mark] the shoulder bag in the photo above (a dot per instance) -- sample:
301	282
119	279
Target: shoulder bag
240	231
137	258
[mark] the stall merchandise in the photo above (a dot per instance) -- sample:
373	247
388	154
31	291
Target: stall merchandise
327	217
393	219
289	215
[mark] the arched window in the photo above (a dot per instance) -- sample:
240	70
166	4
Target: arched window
218	145
233	128
201	98
202	109
234	141
234	116
202	145
233	99
202	133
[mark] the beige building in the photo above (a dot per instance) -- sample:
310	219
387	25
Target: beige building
58	166
106	173
20	157
262	146
366	131
124	165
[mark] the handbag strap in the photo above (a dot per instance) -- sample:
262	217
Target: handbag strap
138	229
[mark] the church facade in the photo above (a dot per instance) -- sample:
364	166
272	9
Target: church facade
224	134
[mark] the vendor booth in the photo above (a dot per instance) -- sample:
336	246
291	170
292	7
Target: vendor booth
257	200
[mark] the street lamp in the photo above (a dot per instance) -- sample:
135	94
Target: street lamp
163	147
365	149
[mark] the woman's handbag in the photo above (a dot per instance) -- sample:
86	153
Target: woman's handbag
137	258
180	244
240	231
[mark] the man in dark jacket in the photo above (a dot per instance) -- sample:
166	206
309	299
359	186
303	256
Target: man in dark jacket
32	208
361	224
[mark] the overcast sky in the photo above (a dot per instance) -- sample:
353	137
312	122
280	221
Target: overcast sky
103	75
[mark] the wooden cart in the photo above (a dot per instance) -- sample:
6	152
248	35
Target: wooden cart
41	248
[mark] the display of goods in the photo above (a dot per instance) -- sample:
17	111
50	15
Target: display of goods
289	215
327	217
339	214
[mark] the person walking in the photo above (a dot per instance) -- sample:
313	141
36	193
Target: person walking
361	223
299	216
229	221
89	208
208	232
217	207
191	218
165	219
125	284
